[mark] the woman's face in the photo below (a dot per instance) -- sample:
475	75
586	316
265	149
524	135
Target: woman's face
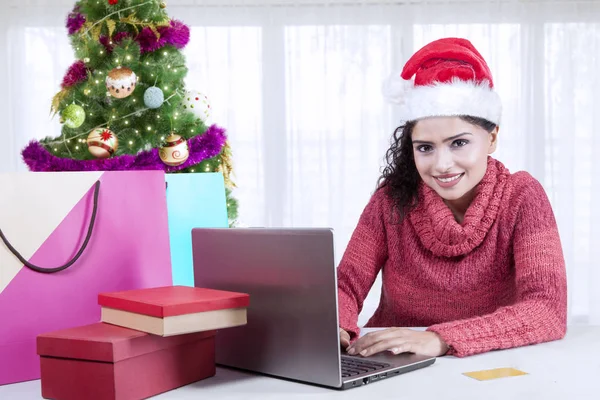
451	155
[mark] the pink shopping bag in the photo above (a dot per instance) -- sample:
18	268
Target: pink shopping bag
66	237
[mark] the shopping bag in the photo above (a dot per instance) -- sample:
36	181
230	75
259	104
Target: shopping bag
66	237
194	200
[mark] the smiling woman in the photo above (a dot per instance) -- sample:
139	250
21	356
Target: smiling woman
434	144
466	248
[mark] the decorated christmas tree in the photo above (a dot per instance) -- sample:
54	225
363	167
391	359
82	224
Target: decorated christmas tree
123	103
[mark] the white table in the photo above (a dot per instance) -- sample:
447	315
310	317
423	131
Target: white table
566	369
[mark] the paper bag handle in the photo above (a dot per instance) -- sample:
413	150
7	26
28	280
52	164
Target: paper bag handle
83	246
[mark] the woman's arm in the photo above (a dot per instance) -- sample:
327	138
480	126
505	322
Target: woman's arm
540	311
364	256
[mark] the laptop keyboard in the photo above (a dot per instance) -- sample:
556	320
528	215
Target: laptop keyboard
355	366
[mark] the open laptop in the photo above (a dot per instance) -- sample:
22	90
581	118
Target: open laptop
292	330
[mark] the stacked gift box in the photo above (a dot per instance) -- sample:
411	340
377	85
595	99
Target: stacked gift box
149	341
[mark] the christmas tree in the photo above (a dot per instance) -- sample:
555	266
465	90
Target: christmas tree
123	103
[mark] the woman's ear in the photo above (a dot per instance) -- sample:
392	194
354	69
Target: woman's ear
493	137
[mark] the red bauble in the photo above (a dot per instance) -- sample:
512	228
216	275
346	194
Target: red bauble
113	2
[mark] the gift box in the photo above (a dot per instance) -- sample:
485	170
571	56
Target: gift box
174	310
108	362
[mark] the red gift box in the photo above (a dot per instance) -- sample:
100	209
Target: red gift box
174	310
103	361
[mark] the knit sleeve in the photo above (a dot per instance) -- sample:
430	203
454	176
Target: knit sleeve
364	256
539	313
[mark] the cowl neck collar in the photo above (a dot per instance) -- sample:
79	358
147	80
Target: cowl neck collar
434	222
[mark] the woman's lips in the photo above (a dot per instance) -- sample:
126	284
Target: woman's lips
448	180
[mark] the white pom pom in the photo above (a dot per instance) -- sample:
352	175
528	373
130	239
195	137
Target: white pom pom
394	89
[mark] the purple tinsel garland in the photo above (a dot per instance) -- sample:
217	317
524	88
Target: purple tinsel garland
202	147
117	38
177	35
75	21
75	74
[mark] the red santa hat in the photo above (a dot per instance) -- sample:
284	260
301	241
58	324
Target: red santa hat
451	78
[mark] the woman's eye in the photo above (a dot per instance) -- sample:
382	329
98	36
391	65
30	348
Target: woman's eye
424	148
460	142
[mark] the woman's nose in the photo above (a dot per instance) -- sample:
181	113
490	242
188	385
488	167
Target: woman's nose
444	161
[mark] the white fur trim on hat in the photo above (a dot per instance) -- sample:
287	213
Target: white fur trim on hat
453	98
394	89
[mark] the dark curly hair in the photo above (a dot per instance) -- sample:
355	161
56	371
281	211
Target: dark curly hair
400	176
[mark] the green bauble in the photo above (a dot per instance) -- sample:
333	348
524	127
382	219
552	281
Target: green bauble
73	116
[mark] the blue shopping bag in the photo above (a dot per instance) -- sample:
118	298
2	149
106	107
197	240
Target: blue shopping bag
194	200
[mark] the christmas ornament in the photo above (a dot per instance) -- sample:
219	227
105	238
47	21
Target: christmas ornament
75	21
113	2
73	116
175	151
163	5
196	103
153	97
102	143
121	82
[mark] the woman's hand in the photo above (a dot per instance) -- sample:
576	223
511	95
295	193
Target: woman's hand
399	340
344	339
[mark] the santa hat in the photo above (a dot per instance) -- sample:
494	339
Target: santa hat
451	78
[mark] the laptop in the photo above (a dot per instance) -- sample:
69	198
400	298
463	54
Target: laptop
292	330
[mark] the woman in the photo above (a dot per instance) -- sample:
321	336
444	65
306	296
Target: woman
466	249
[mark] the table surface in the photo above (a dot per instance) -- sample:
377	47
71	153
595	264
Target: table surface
565	369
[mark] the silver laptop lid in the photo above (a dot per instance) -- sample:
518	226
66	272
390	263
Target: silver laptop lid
290	275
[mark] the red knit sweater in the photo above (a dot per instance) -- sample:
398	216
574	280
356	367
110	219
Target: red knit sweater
495	281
